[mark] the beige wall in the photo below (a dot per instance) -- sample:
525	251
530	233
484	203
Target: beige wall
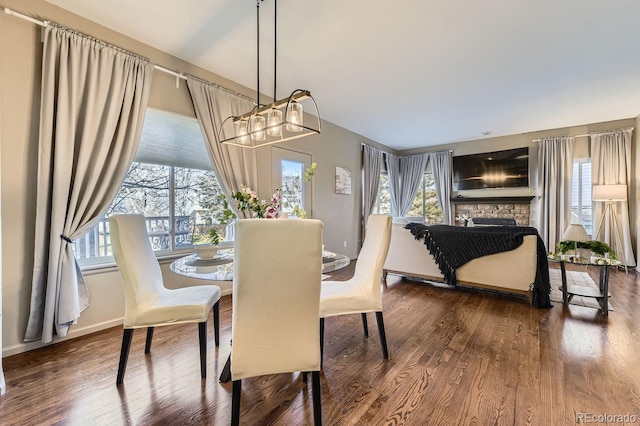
20	53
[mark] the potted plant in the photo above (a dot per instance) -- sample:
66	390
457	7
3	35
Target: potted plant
596	247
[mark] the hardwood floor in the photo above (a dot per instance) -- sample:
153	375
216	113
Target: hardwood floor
456	357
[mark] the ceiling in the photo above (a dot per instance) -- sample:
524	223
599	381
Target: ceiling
411	73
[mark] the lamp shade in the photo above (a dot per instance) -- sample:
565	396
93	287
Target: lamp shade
609	193
575	232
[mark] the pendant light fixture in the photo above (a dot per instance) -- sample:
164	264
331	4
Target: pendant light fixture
277	122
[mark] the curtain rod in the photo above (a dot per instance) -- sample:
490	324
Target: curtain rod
178	75
362	144
589	134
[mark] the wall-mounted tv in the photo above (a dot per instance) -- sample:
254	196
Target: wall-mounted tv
499	169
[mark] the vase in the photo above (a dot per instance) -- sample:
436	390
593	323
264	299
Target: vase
206	251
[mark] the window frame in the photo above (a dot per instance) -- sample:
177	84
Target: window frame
89	263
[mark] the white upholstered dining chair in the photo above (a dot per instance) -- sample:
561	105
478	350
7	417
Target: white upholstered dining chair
362	293
276	299
148	303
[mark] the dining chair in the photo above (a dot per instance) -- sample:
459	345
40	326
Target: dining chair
276	298
361	293
148	303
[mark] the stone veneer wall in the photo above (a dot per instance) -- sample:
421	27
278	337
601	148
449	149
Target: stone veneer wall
517	211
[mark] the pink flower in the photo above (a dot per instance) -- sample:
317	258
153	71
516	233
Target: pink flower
272	213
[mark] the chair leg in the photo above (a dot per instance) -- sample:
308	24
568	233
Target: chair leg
364	325
202	332
315	390
216	322
321	340
147	345
124	354
225	376
235	402
383	336
304	376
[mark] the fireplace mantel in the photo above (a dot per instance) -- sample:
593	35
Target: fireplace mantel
526	199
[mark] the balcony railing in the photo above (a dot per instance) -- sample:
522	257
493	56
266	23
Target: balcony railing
97	242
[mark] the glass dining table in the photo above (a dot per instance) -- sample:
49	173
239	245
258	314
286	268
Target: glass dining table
220	267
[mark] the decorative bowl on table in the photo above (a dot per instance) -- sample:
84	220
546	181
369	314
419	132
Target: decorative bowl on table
206	251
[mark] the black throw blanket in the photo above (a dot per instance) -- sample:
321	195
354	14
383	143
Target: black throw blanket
453	246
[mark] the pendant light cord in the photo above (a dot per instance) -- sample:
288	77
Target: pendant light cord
275	51
258	52
275	45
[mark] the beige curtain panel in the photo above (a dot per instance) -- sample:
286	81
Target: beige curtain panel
611	165
93	102
235	166
555	172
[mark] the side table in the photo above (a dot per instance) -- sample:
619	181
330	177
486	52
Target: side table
601	294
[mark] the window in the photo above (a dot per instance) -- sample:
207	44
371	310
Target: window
581	194
425	206
171	182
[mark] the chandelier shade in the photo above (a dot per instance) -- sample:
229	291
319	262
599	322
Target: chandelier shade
280	121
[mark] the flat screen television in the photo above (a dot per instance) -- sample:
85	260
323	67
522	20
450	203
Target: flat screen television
499	169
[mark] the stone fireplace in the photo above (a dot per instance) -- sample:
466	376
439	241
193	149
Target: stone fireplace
518	208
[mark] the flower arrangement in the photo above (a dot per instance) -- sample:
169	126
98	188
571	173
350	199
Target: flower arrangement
247	201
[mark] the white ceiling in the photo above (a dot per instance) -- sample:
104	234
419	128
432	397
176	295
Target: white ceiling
411	73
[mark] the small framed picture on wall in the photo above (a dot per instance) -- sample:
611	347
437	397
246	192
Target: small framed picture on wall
343	181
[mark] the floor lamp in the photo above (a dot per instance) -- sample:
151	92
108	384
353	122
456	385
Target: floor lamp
610	195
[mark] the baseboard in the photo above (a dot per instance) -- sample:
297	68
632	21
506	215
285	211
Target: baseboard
73	333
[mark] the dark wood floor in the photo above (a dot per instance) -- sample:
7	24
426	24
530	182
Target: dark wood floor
456	358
